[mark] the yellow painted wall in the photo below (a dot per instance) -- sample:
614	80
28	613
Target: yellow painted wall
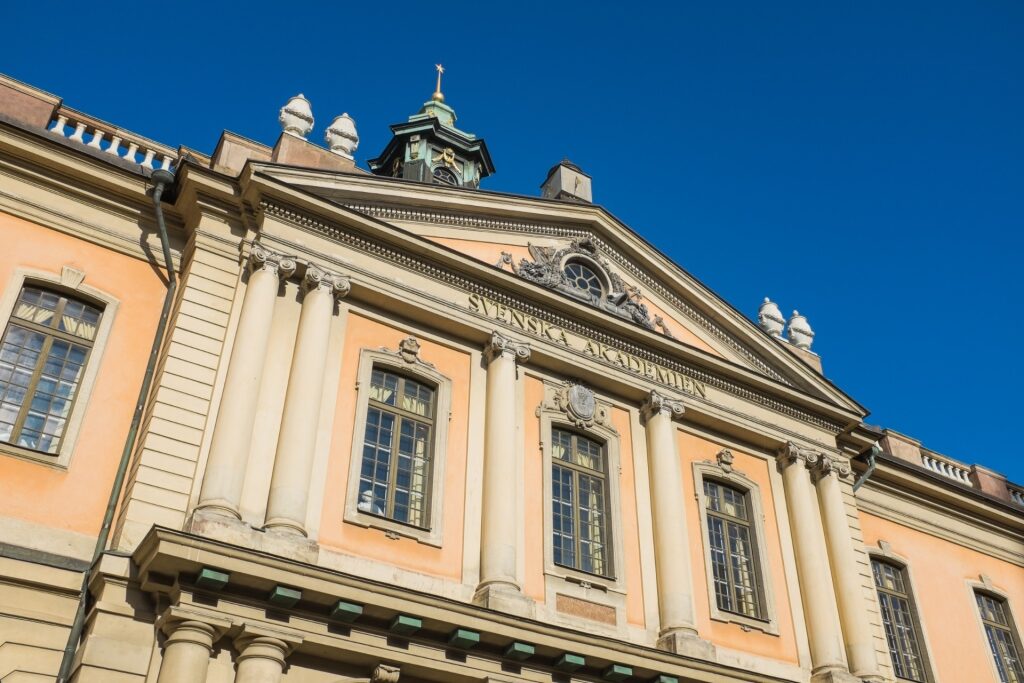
74	499
940	571
363	333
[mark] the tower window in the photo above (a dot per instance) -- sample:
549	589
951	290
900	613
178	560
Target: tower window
443	176
583	279
42	358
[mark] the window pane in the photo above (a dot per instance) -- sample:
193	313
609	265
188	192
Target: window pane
383	387
36	306
80	319
719	564
898	621
417	398
742	564
563	523
411	472
593	537
1000	638
373	479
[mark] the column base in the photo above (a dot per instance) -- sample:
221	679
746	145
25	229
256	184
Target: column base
236	532
835	676
285	526
219	507
503	597
688	644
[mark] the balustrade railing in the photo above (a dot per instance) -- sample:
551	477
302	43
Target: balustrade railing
947	468
1016	494
104	137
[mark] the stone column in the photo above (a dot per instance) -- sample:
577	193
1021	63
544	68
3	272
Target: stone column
232	436
499	588
262	653
189	644
678	627
823	630
860	647
296	444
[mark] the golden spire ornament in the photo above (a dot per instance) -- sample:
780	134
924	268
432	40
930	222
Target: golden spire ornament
438	96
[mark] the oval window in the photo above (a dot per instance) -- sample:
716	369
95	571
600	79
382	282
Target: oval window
584	279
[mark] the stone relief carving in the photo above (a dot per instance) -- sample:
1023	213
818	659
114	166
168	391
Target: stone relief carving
622	299
408	351
791	453
578	403
499	345
725	458
383	673
828	464
656	404
317	277
263	258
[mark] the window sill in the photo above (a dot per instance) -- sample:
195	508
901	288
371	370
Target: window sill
393	529
55	460
746	623
605	584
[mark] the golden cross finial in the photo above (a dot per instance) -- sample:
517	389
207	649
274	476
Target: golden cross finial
437	92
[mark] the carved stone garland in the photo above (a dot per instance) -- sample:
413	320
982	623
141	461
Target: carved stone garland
578	403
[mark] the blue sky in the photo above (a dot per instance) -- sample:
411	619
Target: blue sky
861	162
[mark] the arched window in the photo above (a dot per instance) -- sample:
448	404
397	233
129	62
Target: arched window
395	475
899	620
443	176
1002	637
583	279
43	355
731	538
579	503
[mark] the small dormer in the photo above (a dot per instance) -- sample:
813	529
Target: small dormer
428	148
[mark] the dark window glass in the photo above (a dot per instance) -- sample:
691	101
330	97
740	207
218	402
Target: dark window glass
42	358
394	480
1001	638
733	553
442	176
579	503
584	279
898	621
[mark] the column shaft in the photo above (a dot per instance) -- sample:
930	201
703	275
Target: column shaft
668	508
261	660
860	647
812	561
232	436
296	444
187	653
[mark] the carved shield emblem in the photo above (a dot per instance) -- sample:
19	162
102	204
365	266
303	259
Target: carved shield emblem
581	401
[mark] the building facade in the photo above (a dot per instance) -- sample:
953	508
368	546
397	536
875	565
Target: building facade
395	427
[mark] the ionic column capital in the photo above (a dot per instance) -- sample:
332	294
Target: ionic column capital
658	404
261	258
828	465
501	346
385	674
317	278
791	454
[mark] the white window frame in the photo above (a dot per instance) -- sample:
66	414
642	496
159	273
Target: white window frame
770	622
69	280
408	365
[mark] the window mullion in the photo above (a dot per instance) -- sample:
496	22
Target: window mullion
393	466
30	389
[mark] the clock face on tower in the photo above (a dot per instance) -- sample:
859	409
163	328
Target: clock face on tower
443	176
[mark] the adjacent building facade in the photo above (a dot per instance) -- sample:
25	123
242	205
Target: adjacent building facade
399	428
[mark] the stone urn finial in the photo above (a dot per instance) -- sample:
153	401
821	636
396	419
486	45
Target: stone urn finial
297	117
800	333
769	317
341	136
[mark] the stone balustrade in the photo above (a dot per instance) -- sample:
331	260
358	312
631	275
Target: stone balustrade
1016	495
947	468
105	137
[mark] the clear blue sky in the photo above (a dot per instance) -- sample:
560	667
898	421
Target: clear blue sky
861	162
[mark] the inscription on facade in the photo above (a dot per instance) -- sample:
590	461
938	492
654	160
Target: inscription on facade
609	354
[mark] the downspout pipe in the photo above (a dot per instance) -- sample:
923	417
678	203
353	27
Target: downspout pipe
872	456
161	179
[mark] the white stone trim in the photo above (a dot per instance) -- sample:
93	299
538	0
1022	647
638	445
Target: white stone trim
72	429
723	472
424	371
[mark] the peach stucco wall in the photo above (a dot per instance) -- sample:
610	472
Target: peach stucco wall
783	646
940	573
74	499
446	561
490	253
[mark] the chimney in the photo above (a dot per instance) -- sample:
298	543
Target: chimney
568	182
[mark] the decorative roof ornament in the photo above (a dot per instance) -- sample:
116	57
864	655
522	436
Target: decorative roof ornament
341	136
769	317
297	117
438	96
800	333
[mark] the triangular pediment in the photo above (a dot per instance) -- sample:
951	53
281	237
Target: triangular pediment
534	239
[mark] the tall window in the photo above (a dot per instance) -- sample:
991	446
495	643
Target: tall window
898	621
395	476
1001	638
579	500
731	538
42	358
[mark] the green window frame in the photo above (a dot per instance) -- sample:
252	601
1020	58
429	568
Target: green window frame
44	351
397	466
735	568
581	528
899	621
1001	636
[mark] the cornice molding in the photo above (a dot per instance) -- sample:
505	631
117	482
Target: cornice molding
451	277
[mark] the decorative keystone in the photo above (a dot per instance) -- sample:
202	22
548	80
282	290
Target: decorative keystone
617	672
283	596
464	638
346	611
211	579
405	625
519	651
570	662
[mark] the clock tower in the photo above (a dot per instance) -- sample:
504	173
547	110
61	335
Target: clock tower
428	148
